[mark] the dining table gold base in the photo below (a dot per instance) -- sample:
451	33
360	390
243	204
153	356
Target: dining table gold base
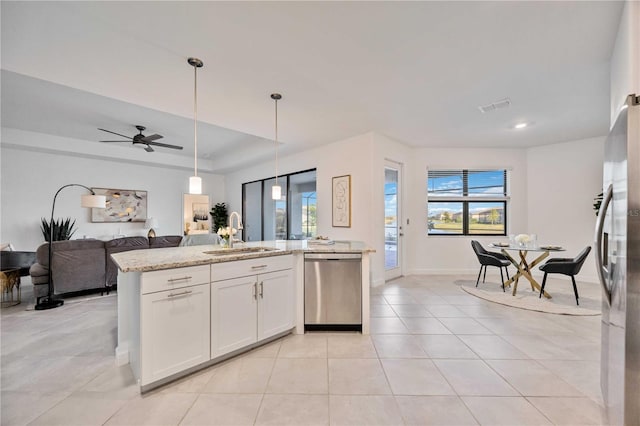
524	270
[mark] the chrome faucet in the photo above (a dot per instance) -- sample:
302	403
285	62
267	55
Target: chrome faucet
239	228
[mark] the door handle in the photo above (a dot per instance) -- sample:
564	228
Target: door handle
255	290
603	272
401	234
261	289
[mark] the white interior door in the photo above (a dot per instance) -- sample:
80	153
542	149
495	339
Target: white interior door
392	220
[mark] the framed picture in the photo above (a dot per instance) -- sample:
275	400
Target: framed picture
123	205
341	201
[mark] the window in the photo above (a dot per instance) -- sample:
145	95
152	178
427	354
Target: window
467	202
293	217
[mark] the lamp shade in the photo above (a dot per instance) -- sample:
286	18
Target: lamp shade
93	201
151	222
276	192
195	185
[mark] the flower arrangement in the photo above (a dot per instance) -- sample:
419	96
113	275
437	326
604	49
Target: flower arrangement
226	233
522	239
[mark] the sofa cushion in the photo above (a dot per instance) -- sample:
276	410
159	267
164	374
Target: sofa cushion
119	245
42	253
165	241
39	274
78	265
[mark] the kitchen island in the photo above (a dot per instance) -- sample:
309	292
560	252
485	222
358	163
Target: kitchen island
181	309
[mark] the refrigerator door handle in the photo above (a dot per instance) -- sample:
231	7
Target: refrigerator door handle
603	272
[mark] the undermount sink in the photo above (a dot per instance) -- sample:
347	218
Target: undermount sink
239	250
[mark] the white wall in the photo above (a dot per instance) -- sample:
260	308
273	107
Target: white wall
562	181
453	254
534	175
31	178
625	60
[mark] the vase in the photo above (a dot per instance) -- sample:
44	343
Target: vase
224	243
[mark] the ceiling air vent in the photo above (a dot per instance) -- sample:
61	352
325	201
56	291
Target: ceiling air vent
502	103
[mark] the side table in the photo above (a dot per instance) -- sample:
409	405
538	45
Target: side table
10	280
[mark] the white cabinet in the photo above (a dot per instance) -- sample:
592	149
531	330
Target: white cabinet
276	303
174	331
247	309
233	314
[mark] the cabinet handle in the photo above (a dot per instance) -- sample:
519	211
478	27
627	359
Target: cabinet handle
179	279
255	290
258	266
261	290
180	294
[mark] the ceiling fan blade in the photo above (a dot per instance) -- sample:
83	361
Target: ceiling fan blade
109	131
148	149
164	145
117	141
151	138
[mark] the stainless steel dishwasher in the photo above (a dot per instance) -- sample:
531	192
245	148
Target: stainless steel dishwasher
333	291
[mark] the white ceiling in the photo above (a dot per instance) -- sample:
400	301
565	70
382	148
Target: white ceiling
414	71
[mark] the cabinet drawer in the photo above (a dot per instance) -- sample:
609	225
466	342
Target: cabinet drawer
243	268
170	279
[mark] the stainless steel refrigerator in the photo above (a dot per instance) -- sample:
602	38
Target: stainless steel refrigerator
618	265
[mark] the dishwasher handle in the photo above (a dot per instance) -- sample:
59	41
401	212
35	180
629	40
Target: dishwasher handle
313	257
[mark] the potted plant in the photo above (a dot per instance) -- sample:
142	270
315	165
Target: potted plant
62	229
219	215
597	202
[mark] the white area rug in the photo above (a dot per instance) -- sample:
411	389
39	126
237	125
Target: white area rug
561	302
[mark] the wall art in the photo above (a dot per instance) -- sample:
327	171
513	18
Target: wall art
341	206
123	205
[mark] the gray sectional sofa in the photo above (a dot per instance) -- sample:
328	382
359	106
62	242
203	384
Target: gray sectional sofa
86	264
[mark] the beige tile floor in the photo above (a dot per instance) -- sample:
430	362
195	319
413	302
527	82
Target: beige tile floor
436	356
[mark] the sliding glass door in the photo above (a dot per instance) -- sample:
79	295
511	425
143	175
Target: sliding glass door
252	202
302	204
292	217
274	212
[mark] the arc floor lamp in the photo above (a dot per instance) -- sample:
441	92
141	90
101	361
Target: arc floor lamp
88	201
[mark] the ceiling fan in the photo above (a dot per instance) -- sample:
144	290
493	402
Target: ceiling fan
143	140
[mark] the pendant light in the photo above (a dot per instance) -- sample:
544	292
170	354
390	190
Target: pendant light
276	190
195	181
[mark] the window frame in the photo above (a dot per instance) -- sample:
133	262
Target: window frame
467	199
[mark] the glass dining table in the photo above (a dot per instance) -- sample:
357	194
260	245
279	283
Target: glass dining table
523	266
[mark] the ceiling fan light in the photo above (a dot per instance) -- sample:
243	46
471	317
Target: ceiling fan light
195	185
276	192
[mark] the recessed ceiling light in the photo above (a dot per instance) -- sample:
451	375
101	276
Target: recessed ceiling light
520	126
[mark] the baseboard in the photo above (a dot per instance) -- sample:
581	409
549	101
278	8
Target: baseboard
122	355
432	271
378	282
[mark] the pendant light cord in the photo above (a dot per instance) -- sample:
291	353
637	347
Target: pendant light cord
195	121
276	141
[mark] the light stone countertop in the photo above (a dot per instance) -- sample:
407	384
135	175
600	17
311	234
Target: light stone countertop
178	257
